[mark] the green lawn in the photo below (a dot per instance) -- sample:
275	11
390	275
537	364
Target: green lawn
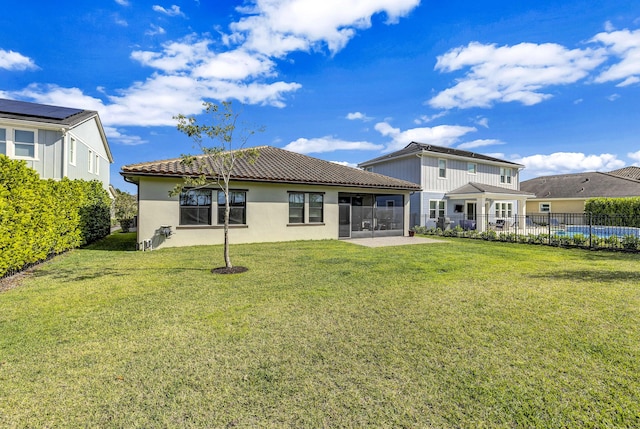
461	334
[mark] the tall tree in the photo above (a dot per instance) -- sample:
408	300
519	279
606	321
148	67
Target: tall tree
125	208
216	164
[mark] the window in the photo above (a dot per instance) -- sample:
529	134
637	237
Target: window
505	175
472	167
436	209
296	207
90	161
25	143
504	210
545	207
316	208
3	141
238	206
442	168
195	207
72	151
368	169
96	166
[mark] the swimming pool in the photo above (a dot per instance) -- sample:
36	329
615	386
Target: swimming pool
600	231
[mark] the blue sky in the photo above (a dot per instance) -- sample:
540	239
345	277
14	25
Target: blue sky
552	85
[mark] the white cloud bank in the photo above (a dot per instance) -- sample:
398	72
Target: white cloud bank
328	144
15	61
568	162
239	66
441	135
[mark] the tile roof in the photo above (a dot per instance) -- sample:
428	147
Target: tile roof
582	185
34	112
278	166
415	148
628	172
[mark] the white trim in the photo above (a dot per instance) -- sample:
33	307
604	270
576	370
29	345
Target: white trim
35	144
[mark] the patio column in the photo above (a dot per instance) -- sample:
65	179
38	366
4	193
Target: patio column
481	214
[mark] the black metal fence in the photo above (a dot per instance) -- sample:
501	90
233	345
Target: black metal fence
584	230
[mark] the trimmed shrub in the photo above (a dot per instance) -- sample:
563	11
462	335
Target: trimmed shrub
41	218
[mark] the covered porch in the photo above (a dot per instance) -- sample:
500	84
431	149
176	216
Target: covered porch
483	207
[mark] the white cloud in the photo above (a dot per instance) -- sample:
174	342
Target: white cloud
122	2
345	163
613	97
634	155
328	144
155	30
625	45
608	26
482	121
358	116
441	135
568	162
120	21
424	119
479	143
172	11
114	134
511	73
276	27
10	60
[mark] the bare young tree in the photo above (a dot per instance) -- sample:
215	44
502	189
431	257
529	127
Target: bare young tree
216	164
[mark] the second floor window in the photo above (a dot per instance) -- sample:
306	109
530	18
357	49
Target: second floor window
472	168
3	141
505	175
442	168
72	151
25	143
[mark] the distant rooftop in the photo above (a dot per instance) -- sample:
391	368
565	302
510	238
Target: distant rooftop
275	165
582	185
22	110
628	172
416	148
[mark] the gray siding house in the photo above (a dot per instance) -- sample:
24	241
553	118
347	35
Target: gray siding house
55	141
458	185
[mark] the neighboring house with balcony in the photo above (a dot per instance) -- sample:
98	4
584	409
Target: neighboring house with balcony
469	189
280	196
55	141
568	193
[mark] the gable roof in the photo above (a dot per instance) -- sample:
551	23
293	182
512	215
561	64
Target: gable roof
581	185
414	148
275	165
628	172
480	188
64	117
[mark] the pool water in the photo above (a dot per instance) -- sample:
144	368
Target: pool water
599	231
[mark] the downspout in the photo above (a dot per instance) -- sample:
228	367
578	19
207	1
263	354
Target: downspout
65	152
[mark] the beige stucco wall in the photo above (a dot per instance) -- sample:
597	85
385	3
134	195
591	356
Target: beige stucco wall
267	215
557	206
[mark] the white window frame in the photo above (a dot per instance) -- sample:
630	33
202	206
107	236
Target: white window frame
504	210
542	209
472	167
442	168
437	208
4	141
35	143
96	166
73	150
505	175
90	161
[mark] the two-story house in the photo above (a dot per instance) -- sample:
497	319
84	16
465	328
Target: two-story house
55	141
458	187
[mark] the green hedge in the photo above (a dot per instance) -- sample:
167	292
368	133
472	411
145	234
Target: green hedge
623	211
41	218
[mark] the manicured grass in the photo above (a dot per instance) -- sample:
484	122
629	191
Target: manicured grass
324	334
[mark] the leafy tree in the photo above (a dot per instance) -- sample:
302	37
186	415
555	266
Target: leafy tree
216	164
125	208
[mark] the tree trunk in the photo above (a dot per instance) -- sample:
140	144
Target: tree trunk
227	211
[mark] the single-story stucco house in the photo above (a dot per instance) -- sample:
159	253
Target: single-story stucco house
281	196
568	193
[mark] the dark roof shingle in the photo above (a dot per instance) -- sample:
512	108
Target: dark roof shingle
415	148
278	166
